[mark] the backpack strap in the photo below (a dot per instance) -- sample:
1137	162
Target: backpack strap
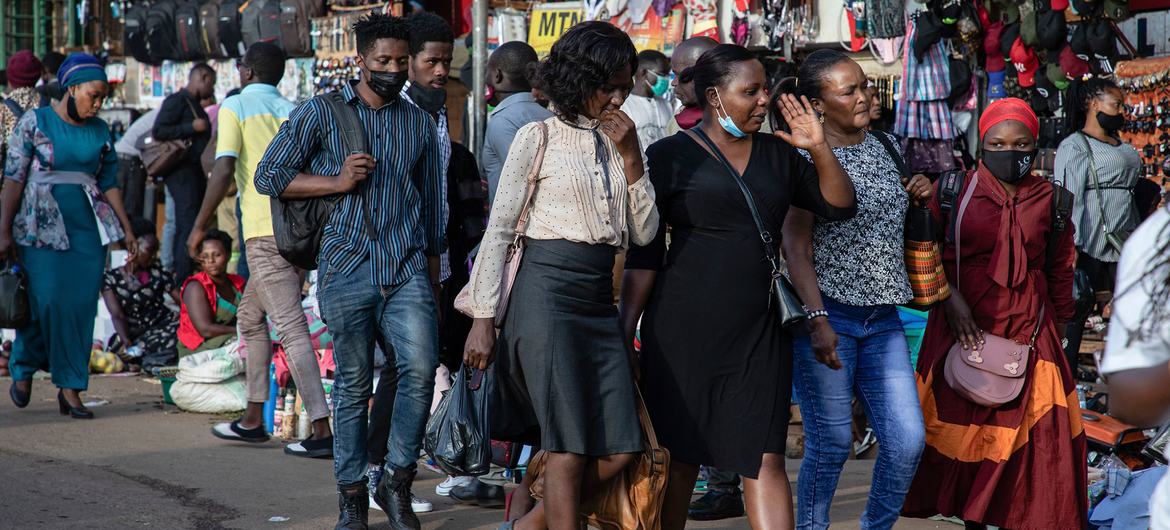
353	141
1062	205
949	187
14	107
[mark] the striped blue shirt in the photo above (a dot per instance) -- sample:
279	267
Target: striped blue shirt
404	192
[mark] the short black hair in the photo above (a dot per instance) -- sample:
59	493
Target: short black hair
582	61
202	67
428	27
52	62
651	58
375	26
515	60
232	92
142	228
267	60
220	236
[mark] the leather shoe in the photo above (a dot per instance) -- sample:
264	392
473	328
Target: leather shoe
393	496
716	505
79	412
353	503
479	494
20	399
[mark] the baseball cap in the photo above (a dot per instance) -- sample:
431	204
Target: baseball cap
1073	66
1101	39
1025	62
1080	41
1117	9
1011	32
1051	30
1048	90
1055	75
995	89
1028	16
1085	8
1059	5
995	62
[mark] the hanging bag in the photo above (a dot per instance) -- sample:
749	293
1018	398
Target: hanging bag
14	308
633	499
1114	238
992	373
781	293
457	434
928	280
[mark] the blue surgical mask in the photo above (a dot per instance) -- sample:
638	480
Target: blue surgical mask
660	86
725	120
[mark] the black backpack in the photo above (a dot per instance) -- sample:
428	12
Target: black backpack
298	224
260	22
231	37
296	28
134	34
160	32
952	183
189	36
209	26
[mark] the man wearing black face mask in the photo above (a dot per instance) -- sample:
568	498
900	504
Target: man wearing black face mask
1101	171
379	258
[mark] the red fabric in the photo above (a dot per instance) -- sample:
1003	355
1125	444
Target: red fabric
188	335
24	69
689	117
1006	109
1025	62
1005	278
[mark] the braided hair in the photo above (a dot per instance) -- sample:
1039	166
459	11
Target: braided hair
1081	93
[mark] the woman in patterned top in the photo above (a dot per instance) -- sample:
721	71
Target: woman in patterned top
59	208
135	295
851	273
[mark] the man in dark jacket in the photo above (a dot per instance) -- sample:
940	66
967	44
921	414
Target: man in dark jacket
182	118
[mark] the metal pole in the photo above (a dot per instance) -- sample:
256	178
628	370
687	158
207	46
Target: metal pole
479	57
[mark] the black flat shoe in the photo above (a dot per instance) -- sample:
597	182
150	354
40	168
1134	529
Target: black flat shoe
77	413
20	399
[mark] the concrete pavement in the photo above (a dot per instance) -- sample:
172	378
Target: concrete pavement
142	464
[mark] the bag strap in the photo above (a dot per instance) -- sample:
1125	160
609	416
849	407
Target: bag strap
644	419
353	140
949	188
765	236
1096	182
899	160
530	192
13	106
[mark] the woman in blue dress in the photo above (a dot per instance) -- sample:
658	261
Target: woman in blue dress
59	207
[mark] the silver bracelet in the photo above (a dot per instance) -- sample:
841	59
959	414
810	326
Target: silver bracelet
818	313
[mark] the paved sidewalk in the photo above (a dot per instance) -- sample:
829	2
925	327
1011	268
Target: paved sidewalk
141	464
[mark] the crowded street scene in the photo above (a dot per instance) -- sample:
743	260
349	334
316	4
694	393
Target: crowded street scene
567	264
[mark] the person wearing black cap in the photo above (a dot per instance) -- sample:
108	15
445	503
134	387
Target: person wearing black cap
1101	171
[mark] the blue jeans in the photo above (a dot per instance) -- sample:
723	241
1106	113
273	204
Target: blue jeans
405	317
166	246
876	368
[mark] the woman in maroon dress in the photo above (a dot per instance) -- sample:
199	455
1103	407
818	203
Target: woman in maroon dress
1019	466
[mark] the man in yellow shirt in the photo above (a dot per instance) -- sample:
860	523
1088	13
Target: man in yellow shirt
247	124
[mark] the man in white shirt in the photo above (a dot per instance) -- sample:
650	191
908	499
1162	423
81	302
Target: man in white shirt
1137	350
647	104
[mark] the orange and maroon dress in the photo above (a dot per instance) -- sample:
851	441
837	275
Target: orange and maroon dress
1022	465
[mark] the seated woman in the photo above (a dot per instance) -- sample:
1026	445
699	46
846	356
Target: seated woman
135	295
207	319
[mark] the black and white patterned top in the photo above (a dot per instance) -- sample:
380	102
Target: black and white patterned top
860	261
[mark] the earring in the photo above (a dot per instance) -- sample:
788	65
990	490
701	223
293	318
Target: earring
821	118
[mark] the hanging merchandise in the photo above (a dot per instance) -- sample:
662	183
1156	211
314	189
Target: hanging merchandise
635	12
1147	105
923	115
739	22
506	25
654	32
885	19
550	21
703	23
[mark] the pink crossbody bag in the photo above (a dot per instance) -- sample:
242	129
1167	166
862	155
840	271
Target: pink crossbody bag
992	373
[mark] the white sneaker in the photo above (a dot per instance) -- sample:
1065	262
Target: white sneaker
444	488
417	504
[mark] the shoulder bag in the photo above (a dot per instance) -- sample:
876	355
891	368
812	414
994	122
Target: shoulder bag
928	280
633	499
14	307
781	292
515	252
990	374
1114	238
160	157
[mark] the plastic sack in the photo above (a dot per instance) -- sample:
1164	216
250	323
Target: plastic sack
210	398
457	436
211	366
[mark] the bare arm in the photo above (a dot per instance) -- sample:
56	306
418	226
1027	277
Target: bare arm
199	309
798	254
1140	396
222	175
836	187
637	284
117	316
9	201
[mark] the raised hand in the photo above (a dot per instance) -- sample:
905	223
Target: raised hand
807	131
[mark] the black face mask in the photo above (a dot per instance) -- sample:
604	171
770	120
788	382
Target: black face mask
1009	166
427	98
1110	122
71	109
387	85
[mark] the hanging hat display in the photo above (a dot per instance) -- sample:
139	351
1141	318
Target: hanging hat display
1051	30
1026	63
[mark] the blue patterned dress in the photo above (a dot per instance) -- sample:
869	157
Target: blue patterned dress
64	260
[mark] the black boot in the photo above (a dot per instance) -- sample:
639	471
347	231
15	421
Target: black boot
393	496
354	504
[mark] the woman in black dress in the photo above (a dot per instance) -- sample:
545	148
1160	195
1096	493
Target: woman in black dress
716	364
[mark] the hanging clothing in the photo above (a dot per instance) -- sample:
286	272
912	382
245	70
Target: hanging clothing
1021	465
65	262
885	19
923	111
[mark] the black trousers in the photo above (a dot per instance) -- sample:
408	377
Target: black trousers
722	481
1102	276
132	180
187	185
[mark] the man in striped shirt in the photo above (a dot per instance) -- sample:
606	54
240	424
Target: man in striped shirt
372	285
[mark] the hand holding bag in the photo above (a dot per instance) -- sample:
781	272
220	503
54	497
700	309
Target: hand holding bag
781	293
456	436
633	499
14	308
990	374
928	280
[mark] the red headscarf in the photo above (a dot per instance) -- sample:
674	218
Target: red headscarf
1006	109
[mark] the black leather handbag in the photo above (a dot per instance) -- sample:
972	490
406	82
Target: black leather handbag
782	294
14	310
